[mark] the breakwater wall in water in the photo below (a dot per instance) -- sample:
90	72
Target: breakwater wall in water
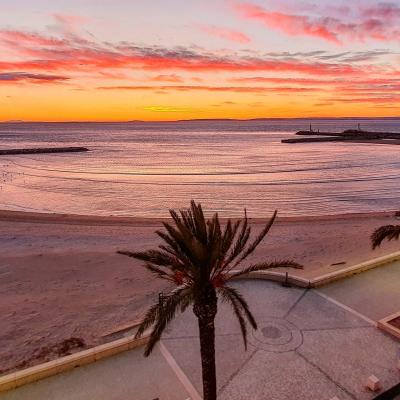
347	135
43	150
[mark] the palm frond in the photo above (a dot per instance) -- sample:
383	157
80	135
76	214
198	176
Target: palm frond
240	307
214	244
243	303
188	220
160	315
226	243
266	266
199	221
174	249
148	320
159	272
240	241
181	242
226	239
183	227
155	257
161	264
258	239
388	232
179	256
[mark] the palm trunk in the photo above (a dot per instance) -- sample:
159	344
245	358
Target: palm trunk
205	310
207	350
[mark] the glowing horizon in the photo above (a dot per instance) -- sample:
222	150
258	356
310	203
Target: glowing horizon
121	61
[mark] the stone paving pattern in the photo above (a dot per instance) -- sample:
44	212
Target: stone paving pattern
306	347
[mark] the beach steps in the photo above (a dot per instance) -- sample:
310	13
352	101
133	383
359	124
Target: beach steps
43	150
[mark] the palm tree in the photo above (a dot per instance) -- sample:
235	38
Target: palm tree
200	258
389	232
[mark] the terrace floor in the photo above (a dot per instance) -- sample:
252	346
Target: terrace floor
307	347
374	293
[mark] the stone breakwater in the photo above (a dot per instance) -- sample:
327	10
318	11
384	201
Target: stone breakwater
43	150
347	135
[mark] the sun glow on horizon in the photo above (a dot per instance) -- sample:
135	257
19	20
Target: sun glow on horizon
231	60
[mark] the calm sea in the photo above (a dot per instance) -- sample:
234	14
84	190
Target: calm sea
143	169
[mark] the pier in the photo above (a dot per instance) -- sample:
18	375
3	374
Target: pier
350	135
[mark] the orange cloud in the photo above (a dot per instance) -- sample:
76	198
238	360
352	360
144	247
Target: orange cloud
391	100
284	81
164	109
237	89
166	78
384	82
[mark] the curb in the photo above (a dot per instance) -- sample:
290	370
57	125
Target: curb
67	363
384	325
355	269
275	276
322	279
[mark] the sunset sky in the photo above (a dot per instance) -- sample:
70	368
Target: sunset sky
119	60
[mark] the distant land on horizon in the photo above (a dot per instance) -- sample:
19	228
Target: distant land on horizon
202	120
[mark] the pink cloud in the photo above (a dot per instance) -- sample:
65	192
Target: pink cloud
13	37
382	10
69	26
93	61
224	33
42	53
70	20
378	23
70	54
290	24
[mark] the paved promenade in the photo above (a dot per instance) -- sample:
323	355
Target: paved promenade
374	293
307	347
126	376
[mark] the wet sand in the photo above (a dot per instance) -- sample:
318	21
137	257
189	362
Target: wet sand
60	276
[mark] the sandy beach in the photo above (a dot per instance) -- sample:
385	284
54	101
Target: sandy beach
60	276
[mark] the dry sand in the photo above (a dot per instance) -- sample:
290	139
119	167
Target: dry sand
60	276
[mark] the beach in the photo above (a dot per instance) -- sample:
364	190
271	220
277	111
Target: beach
61	276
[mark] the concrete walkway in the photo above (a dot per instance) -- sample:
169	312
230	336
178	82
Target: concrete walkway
126	376
374	293
306	347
